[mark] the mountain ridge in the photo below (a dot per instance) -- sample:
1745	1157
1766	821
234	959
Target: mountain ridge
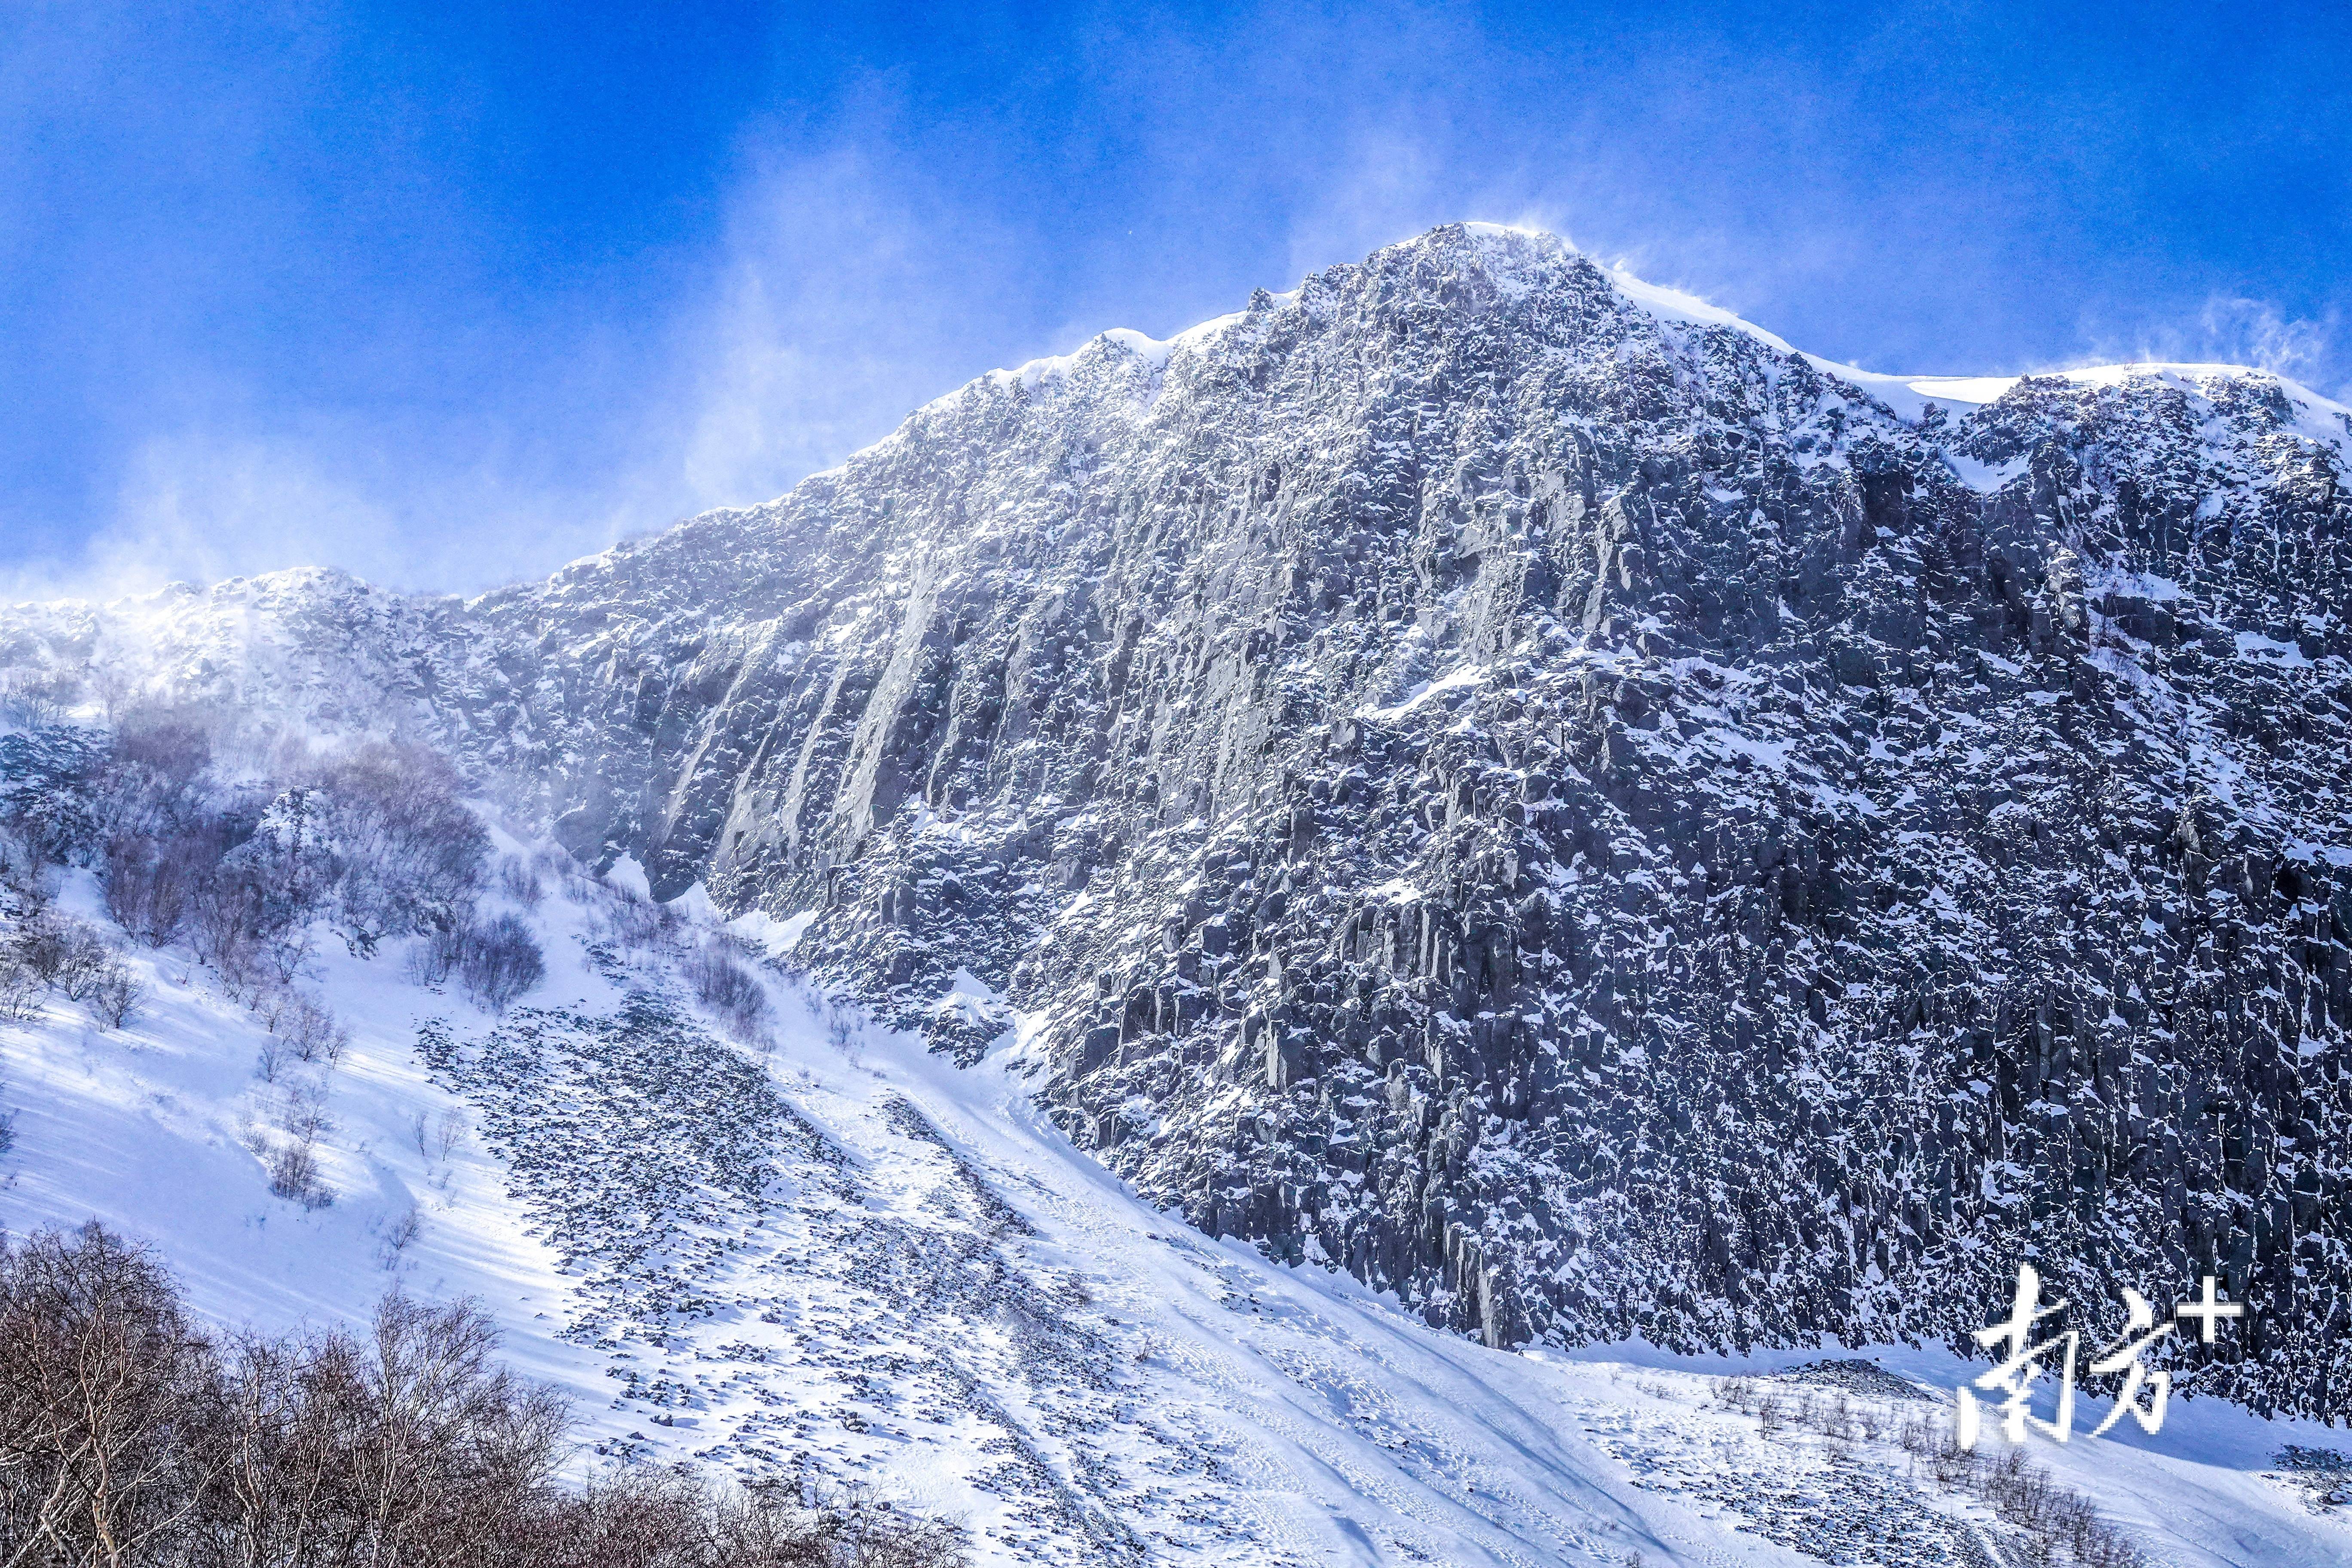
1588	819
1969	389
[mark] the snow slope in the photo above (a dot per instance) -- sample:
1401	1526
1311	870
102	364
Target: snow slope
831	1249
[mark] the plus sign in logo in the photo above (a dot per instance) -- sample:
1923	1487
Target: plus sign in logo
2211	1311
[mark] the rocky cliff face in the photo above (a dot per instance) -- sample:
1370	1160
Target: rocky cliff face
1556	803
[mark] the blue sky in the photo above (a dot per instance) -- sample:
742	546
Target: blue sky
449	295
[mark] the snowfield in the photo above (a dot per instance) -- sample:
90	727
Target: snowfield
830	1249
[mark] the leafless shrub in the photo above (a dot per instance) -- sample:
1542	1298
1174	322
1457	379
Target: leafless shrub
2047	1515
115	685
411	853
270	1004
309	1028
112	994
222	928
520	879
436	1140
302	1109
727	989
35	699
251	934
55	949
19	870
499	961
92	961
41	830
149	787
294	1176
640	923
398	1237
433	958
495	962
448	1134
374	838
173	746
560	868
674	1519
141	901
20	990
257	969
151	881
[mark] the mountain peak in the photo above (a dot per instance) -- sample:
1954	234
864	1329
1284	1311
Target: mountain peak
1514	259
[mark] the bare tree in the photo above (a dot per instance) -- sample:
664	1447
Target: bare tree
149	783
499	961
639	922
127	1439
674	1519
520	879
153	879
413	853
112	994
99	1377
727	989
35	698
294	1176
434	958
20	989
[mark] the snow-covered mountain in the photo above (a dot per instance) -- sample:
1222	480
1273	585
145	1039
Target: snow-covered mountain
1495	778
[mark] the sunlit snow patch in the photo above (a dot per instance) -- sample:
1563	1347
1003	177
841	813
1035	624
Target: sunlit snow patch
776	937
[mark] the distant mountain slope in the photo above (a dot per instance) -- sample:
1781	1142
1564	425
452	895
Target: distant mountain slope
1510	781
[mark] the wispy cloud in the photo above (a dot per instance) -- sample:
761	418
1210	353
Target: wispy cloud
2232	329
836	304
202	505
843	303
2254	331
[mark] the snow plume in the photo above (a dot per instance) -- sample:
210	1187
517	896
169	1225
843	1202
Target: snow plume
196	509
836	309
832	306
2235	330
2256	333
203	504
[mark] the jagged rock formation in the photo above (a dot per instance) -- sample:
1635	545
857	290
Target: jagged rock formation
1554	803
